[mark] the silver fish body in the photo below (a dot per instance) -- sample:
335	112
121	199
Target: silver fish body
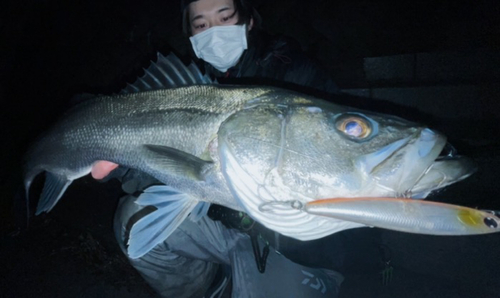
243	147
120	128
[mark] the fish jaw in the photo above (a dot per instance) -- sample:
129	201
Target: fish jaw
398	167
443	172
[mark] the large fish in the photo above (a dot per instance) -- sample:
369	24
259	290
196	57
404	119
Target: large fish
238	146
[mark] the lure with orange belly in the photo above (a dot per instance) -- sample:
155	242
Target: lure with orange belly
407	215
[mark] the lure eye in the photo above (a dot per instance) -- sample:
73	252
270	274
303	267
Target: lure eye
494	213
490	222
354	127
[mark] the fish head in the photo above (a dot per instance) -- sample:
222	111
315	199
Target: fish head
304	151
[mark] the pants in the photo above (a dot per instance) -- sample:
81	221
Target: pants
187	263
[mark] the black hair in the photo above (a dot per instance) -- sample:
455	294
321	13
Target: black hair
243	8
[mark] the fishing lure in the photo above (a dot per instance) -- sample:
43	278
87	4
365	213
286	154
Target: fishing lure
406	215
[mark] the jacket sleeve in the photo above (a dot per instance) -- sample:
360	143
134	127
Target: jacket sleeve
285	61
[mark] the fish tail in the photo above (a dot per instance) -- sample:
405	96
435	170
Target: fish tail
27	184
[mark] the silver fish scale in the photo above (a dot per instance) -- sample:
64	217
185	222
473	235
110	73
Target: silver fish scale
271	146
147	118
115	128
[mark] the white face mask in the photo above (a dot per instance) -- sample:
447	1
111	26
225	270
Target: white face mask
221	46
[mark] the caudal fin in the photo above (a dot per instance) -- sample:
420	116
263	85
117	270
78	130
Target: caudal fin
53	189
28	180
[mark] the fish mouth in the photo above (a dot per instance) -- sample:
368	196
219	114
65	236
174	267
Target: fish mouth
416	166
448	168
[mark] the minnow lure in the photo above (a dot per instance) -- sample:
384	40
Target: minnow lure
406	215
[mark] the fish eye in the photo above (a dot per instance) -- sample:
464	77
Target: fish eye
354	126
490	222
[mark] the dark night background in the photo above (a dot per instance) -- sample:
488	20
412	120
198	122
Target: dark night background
436	62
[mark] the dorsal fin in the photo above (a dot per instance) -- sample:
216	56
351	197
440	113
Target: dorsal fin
167	72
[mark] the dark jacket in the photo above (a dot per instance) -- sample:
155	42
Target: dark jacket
276	61
280	62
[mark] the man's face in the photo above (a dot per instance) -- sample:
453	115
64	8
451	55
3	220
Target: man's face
204	14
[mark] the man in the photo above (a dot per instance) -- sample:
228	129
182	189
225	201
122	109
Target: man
231	28
225	37
203	257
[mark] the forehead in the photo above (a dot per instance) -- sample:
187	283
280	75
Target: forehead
204	7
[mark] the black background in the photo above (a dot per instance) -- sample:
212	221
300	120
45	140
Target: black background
51	50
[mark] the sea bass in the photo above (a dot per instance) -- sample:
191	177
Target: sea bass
243	147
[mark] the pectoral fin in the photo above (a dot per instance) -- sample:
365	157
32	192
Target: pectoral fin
53	189
176	162
172	208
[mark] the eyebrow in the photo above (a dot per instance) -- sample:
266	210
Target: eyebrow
200	16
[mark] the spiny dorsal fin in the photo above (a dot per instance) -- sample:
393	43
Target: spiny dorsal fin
167	72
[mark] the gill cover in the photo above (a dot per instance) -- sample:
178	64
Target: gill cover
267	154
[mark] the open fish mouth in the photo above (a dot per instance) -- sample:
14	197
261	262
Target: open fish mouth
447	169
415	167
